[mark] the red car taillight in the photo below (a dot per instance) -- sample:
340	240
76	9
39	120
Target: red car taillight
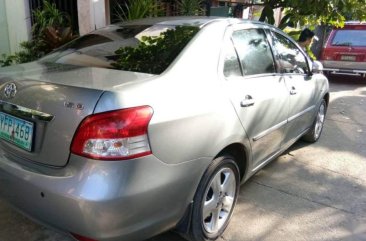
114	135
326	56
81	238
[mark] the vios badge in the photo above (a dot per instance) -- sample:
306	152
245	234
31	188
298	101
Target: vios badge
10	90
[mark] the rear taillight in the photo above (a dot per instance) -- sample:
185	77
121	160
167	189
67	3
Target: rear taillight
114	135
81	238
326	55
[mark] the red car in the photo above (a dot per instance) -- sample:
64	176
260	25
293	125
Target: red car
345	50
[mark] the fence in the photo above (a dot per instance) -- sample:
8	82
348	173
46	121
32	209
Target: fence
67	6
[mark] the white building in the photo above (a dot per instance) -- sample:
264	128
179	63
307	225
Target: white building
15	20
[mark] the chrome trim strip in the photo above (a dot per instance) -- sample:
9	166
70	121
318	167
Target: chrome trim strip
24	112
301	113
330	69
266	132
279	125
359	71
276	154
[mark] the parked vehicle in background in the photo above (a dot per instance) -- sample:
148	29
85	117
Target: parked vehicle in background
345	50
152	124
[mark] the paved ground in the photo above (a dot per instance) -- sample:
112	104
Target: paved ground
311	193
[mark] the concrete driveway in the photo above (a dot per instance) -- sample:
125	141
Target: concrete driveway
312	192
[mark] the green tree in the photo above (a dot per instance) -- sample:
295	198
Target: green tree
313	12
190	7
136	9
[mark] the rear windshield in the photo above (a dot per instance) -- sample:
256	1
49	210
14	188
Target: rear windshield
356	38
142	48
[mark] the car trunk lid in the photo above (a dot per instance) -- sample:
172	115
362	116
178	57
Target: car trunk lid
51	100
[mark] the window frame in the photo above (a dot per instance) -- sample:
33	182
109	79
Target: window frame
228	40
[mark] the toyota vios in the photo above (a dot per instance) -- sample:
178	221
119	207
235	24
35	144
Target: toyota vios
149	125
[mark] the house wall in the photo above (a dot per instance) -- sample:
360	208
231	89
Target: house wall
92	15
4	36
15	24
15	21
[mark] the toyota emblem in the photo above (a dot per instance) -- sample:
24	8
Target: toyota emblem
10	90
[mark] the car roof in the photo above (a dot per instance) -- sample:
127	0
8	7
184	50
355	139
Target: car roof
354	25
197	21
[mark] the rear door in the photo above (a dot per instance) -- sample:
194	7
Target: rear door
300	84
257	92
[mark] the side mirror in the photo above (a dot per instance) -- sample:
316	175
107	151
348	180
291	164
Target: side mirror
316	67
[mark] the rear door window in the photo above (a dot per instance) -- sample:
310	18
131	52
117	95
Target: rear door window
355	38
254	51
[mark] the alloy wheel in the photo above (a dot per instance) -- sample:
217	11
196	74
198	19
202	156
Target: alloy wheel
219	200
319	121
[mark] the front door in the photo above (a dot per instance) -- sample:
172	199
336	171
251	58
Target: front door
299	83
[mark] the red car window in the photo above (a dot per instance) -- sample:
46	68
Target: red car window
356	38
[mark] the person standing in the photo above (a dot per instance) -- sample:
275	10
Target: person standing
305	41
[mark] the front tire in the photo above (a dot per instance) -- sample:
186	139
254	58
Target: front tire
316	129
215	199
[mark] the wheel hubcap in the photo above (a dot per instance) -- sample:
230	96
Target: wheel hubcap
319	121
219	200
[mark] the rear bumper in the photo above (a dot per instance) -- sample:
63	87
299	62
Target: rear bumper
128	200
344	67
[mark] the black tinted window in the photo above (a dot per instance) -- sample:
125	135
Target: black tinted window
291	59
254	51
231	62
355	38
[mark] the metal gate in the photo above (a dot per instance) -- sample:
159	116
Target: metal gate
68	6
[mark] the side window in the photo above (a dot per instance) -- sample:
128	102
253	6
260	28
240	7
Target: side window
254	51
231	61
291	59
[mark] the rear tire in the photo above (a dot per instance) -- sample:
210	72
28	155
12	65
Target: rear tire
215	199
317	127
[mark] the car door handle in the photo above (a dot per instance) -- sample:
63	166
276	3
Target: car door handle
293	91
248	101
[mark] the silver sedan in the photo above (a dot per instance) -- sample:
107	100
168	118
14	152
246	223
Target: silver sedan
149	125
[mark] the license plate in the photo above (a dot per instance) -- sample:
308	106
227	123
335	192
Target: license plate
16	130
348	57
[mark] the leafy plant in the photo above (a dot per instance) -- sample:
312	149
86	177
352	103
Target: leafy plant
52	26
6	60
310	13
48	16
50	30
191	7
30	51
155	54
137	9
55	37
